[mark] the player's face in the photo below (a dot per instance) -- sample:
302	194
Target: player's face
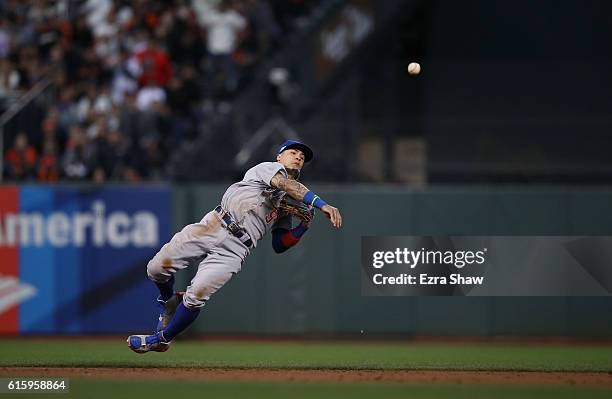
291	158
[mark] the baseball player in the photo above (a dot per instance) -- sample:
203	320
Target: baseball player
266	199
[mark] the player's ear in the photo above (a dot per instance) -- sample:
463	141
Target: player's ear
278	157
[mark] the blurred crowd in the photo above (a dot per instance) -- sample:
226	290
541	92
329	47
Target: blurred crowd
130	80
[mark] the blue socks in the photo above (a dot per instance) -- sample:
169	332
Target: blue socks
183	316
166	290
181	320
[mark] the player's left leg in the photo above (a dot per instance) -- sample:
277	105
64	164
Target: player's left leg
213	273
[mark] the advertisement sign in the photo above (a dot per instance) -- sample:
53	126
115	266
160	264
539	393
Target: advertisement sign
73	259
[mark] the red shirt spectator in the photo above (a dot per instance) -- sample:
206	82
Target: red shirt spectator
21	159
48	165
156	67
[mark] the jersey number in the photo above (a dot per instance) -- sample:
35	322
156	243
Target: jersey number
270	217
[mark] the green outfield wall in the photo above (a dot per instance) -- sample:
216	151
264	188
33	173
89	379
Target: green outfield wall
315	288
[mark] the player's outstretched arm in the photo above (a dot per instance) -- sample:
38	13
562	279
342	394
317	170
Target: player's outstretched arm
293	188
300	192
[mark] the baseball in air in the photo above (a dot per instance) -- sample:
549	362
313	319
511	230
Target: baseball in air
414	68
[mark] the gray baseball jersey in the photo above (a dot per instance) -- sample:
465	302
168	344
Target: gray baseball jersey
252	203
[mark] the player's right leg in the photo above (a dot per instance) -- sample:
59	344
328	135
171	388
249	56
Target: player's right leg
187	246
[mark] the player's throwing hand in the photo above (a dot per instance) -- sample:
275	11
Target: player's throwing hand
333	214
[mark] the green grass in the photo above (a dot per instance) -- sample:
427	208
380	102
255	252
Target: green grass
104	389
114	353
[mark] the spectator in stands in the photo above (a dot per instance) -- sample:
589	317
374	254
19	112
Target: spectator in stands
223	28
155	67
184	42
182	93
125	77
51	130
76	161
48	165
100	155
9	82
21	159
264	32
128	77
68	112
117	154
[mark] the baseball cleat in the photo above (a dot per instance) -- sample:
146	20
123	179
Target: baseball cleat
168	308
148	343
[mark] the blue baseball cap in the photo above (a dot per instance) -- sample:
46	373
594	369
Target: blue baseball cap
298	145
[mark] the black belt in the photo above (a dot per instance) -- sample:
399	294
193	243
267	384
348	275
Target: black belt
234	227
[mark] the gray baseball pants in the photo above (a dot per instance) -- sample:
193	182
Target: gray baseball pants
217	252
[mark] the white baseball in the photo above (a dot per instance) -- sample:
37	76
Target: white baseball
414	68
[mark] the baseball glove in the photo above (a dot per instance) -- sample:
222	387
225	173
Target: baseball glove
289	206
